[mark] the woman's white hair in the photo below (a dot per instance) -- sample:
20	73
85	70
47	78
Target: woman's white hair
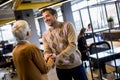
20	30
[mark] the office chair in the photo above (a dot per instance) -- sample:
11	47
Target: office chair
96	48
6	61
3	62
7	48
99	47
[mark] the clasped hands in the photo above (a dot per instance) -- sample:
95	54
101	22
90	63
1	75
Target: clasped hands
50	56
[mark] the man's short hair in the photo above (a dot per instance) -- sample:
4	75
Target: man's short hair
52	11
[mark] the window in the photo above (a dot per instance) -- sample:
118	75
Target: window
98	17
77	20
111	11
85	17
6	33
38	28
60	17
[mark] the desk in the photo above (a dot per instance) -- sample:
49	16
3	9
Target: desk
97	30
101	30
107	55
8	54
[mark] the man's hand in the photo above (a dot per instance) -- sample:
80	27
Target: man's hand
46	56
50	57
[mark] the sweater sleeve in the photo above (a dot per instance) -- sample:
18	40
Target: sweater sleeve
39	60
47	49
71	35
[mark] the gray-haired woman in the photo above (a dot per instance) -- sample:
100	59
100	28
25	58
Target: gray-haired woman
27	58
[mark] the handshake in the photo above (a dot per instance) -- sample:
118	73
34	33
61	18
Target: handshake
51	57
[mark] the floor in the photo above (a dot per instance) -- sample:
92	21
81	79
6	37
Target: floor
52	74
7	74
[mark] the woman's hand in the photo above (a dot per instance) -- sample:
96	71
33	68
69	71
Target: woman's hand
52	58
46	56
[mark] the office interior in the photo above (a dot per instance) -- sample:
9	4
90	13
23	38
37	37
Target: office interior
80	13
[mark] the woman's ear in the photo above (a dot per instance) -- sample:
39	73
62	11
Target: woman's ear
28	33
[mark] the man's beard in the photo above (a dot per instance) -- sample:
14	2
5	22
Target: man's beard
52	24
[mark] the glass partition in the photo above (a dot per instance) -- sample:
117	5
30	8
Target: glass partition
111	11
85	17
77	20
6	33
98	17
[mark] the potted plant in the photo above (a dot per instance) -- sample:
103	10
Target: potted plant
110	22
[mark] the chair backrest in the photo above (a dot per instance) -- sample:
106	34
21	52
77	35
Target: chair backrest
2	61
99	47
7	48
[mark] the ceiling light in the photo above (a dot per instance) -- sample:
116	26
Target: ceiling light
5	3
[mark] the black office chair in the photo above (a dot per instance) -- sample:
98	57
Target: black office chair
3	62
99	47
85	57
7	48
7	63
96	48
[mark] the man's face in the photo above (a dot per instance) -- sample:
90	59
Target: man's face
49	18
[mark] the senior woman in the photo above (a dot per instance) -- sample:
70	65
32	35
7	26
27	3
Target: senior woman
27	58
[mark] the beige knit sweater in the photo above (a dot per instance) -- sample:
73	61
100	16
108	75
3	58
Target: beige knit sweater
62	42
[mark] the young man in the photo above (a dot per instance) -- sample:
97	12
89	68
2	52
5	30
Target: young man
60	40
